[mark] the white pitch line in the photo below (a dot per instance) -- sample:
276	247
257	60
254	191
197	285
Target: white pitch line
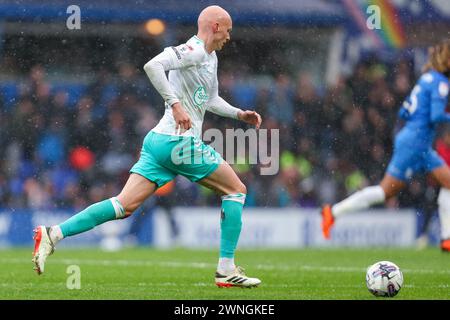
202	265
119	262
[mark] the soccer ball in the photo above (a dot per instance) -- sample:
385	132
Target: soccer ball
384	279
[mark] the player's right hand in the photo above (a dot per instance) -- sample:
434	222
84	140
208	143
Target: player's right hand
182	120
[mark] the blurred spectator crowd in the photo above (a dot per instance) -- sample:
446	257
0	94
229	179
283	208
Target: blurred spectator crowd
67	146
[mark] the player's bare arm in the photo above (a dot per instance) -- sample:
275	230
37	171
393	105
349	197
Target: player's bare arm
250	117
181	117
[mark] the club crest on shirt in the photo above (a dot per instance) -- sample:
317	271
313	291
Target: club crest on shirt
200	96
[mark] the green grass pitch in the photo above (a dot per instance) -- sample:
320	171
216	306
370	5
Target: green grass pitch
182	274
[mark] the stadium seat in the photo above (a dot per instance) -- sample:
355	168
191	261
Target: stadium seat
74	90
244	95
9	91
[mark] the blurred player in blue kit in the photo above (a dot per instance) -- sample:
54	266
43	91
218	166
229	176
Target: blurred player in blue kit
422	111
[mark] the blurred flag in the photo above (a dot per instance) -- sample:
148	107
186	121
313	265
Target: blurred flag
390	35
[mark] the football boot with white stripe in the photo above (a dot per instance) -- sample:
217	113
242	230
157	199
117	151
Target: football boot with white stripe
236	279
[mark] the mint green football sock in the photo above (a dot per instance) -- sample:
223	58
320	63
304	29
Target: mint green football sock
93	216
231	223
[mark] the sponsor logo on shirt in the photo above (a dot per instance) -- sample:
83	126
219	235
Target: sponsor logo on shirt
200	96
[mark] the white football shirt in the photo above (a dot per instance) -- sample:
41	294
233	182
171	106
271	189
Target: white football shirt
193	79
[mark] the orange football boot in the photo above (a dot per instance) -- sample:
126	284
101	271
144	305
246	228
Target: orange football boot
445	245
327	221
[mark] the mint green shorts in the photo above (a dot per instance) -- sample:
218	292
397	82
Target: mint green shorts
163	157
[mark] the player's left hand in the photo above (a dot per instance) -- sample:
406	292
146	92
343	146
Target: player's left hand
250	117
